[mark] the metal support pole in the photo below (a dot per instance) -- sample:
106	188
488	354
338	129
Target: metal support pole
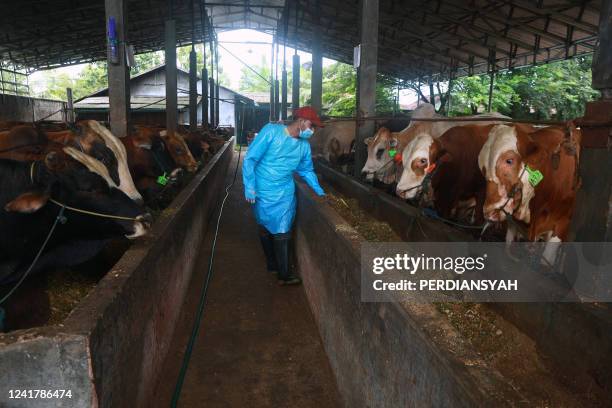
367	79
272	103
118	71
316	86
276	100
295	91
491	82
171	75
592	220
69	106
204	97
284	95
217	97
193	90
211	83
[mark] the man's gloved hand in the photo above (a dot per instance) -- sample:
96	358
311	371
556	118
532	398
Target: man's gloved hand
250	196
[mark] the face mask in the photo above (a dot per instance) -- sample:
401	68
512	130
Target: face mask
306	133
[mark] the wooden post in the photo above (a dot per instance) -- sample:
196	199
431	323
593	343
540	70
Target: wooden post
193	90
367	79
69	106
295	86
171	81
592	220
118	71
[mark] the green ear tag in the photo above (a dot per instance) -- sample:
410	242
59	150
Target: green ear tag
162	180
535	176
392	153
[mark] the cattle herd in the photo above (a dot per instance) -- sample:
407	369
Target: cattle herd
519	177
92	185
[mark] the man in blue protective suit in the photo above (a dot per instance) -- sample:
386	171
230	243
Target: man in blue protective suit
267	173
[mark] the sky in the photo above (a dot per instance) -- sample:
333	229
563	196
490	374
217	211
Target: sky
249	53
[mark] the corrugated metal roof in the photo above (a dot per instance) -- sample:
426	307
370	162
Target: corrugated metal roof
416	37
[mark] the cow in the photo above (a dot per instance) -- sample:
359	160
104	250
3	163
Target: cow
26	143
534	178
178	149
97	141
416	153
334	142
151	165
32	194
379	161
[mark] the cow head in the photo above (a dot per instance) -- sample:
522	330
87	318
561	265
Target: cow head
118	155
380	147
179	151
62	178
416	160
501	161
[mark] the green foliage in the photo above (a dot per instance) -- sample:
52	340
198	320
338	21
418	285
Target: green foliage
147	61
554	91
182	56
339	82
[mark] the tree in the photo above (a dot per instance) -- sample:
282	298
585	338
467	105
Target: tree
557	90
182	56
147	61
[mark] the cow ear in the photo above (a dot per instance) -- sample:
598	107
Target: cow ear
368	140
28	202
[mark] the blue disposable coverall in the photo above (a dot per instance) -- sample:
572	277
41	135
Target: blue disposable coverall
267	173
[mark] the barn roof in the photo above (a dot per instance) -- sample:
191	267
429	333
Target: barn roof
416	37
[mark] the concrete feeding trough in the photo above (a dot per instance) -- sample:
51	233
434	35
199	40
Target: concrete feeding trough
111	348
402	354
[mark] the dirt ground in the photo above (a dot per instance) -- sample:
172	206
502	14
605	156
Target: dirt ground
258	344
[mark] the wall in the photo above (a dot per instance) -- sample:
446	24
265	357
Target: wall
383	354
23	109
111	348
558	329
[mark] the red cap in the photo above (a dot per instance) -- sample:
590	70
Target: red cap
307	112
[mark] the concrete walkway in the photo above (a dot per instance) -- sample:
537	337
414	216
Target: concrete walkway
258	345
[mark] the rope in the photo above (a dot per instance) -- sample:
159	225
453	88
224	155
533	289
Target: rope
58	219
93	213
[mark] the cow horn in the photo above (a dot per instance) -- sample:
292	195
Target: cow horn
126	182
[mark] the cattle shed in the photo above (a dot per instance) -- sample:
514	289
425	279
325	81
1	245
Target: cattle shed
161	328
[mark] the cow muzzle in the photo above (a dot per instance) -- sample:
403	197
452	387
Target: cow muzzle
142	224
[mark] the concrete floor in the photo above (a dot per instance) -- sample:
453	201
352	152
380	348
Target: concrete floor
258	344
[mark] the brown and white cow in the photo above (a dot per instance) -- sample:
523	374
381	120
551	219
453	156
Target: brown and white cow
334	142
379	162
508	159
416	154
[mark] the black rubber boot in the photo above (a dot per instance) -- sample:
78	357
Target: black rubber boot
268	247
281	250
